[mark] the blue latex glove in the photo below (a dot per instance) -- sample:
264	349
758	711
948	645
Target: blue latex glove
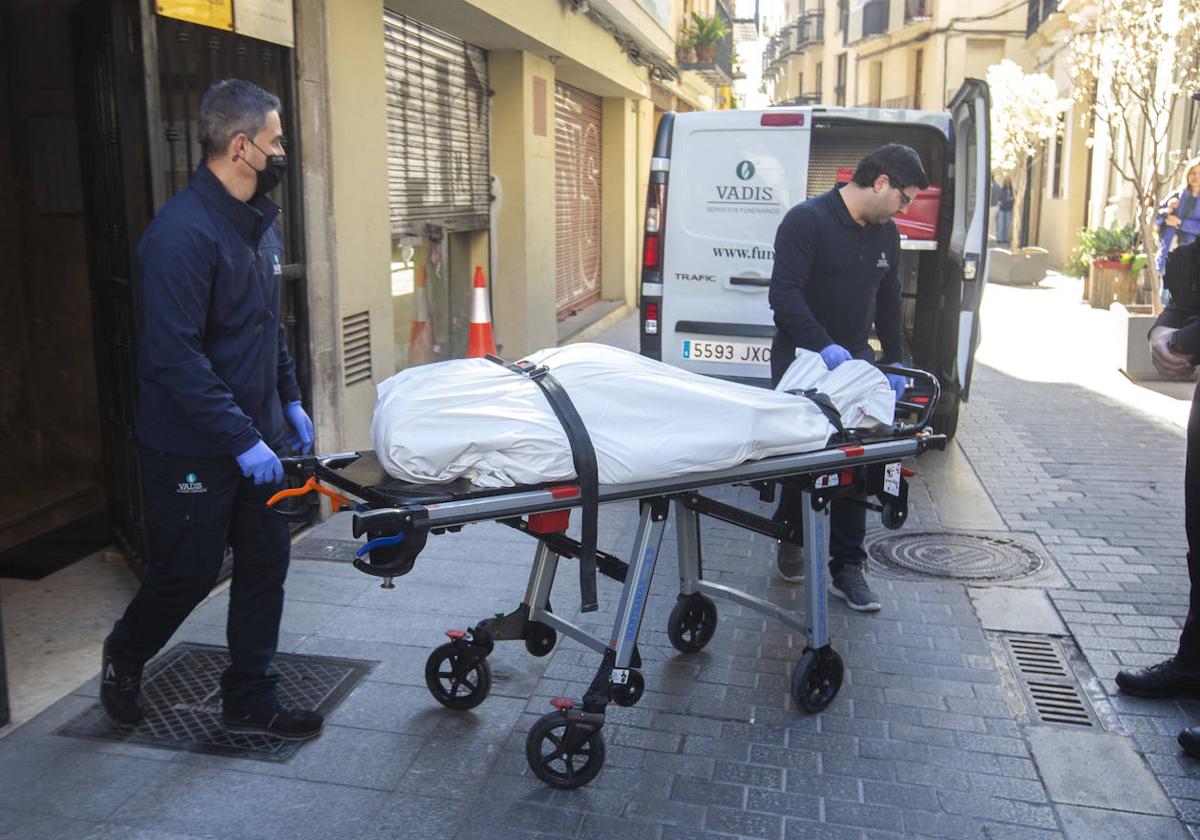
301	439
899	383
834	355
261	464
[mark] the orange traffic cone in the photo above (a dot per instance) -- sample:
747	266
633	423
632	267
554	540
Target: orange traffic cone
480	341
420	339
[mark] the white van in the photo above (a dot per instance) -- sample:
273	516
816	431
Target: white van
721	182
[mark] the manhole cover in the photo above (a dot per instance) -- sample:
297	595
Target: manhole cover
966	556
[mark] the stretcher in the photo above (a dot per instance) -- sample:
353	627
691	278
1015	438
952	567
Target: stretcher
565	748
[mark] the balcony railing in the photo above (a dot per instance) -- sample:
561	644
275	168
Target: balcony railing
719	71
839	95
811	29
1039	10
898	102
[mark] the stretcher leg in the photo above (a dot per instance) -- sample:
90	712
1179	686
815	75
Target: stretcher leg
693	619
817	677
565	748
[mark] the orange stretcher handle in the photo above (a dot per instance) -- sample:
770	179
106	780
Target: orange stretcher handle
309	486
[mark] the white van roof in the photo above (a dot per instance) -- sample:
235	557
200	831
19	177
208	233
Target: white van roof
753	119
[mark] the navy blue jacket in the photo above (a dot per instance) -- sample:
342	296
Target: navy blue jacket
832	279
213	368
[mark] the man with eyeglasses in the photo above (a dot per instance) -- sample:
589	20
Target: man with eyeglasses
835	276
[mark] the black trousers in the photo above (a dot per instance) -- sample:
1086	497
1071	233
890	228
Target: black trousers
848	521
847	527
194	507
1189	639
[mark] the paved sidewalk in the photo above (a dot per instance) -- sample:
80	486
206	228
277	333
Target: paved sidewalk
929	737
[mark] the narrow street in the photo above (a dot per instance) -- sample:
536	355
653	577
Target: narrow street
936	732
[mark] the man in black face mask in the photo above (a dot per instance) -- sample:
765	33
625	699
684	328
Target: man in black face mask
217	396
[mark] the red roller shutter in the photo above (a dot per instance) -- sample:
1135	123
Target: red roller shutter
577	123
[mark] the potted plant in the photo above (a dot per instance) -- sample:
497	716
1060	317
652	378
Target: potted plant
1113	265
685	46
707	31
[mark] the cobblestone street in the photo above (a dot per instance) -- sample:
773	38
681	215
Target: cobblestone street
932	734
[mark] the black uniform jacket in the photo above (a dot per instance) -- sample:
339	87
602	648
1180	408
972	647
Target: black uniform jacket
212	364
833	278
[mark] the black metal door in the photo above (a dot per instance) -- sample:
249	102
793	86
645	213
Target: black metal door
109	88
140	78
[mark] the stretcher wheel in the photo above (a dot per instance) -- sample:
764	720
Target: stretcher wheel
541	638
893	515
692	623
564	754
817	678
629	693
454	682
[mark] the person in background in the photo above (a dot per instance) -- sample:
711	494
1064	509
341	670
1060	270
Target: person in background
1004	208
1179	218
836	275
217	396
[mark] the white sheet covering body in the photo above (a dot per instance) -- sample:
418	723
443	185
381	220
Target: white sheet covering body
475	419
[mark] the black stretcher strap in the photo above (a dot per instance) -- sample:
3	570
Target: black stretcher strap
823	402
584	457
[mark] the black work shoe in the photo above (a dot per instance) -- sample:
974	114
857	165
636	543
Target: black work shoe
850	584
120	687
789	561
288	724
1164	679
1189	739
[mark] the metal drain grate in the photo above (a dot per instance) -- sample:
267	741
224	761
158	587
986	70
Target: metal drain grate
1050	685
181	693
961	556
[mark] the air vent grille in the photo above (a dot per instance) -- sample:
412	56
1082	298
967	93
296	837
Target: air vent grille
1050	685
356	348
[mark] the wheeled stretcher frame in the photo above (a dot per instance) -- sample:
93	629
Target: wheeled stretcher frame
565	748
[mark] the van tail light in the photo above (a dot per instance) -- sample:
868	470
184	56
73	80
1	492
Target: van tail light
650	320
656	202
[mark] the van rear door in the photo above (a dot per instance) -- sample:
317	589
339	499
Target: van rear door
967	252
733	175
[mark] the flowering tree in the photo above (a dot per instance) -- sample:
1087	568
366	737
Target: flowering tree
1134	64
1025	109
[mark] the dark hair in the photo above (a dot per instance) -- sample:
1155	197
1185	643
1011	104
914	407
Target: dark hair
901	164
231	107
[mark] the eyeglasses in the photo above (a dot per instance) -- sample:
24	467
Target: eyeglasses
905	198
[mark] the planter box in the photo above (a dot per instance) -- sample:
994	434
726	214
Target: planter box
1022	267
1111	281
1132	345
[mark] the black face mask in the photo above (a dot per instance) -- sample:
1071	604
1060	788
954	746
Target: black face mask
268	177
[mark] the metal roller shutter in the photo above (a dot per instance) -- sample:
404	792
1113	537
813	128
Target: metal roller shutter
437	120
577	123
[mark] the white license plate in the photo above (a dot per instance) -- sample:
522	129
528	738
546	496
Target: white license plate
726	351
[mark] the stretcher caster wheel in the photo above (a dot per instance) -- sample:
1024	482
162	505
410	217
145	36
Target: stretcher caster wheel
893	515
628	693
455	682
817	678
541	638
692	623
564	754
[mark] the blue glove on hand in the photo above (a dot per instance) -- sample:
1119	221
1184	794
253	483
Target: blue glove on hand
834	355
261	464
899	383
301	441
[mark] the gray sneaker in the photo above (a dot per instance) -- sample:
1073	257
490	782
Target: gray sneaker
789	561
850	584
